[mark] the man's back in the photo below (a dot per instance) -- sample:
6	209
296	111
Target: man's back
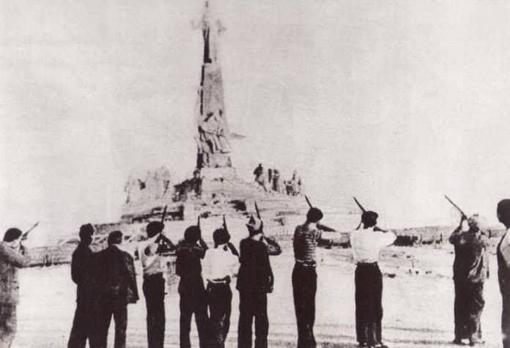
255	272
10	261
116	278
82	273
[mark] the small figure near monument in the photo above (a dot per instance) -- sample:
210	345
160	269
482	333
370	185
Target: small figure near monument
470	270
83	274
117	288
190	252
260	176
13	255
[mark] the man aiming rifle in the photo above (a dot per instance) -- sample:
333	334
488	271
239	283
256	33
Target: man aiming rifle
13	255
255	280
470	270
151	253
366	242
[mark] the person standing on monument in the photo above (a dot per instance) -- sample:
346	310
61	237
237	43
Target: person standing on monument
151	253
503	256
220	265
470	270
255	280
304	276
190	252
117	288
13	255
260	177
83	274
366	244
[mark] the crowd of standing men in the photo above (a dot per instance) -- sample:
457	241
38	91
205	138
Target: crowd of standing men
106	282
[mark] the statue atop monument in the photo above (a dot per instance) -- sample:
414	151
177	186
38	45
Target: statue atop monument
212	128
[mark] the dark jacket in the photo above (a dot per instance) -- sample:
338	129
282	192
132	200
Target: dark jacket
188	266
83	274
116	276
471	258
255	273
503	267
10	261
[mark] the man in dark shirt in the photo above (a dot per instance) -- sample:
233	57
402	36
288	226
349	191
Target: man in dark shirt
503	254
254	282
304	276
470	269
82	273
191	285
117	288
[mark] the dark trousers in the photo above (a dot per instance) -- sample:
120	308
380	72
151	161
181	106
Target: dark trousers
505	319
219	300
8	321
154	292
119	313
84	326
252	305
193	301
304	283
368	297
468	308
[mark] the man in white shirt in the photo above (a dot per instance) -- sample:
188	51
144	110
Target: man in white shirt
219	267
366	244
503	255
151	254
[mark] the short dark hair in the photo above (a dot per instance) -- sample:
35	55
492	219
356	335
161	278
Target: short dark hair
221	236
503	210
192	234
314	215
115	237
86	230
154	227
12	234
369	217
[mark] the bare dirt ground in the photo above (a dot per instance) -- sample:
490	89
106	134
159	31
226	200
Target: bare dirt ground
418	303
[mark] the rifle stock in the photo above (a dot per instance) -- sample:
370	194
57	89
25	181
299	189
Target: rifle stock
164	214
257	210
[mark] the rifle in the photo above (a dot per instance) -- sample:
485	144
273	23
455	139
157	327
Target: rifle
456	207
24	235
363	210
231	246
164	214
257	210
320	226
308	202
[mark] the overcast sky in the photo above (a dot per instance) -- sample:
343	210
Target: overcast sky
395	102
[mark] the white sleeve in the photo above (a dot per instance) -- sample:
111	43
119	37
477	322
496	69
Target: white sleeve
206	266
387	238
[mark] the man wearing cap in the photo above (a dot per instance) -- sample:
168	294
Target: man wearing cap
366	244
190	252
117	288
470	269
503	256
304	276
220	265
12	256
82	273
255	280
151	253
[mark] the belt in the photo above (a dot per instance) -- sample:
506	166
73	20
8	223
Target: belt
218	282
306	263
154	275
366	264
